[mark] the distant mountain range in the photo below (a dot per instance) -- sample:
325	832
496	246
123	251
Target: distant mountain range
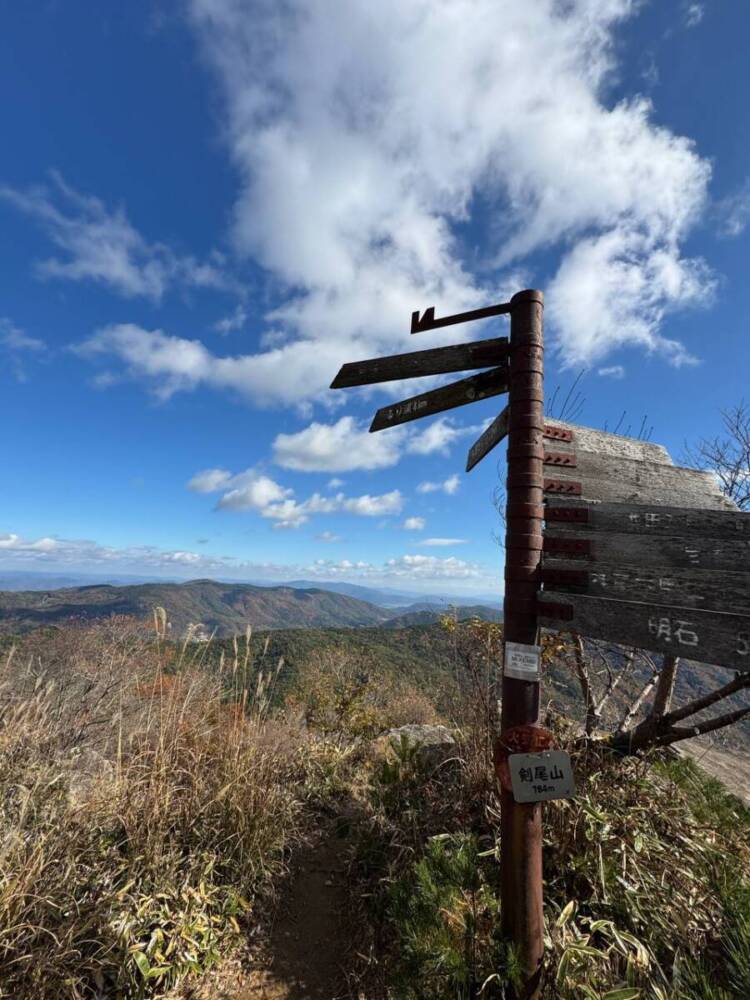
14	580
226	608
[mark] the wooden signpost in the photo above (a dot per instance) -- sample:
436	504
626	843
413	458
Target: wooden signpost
647	554
605	536
516	367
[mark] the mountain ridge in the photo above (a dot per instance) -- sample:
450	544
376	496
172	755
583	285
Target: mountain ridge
224	608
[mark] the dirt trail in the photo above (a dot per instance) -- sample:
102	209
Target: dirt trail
731	767
308	945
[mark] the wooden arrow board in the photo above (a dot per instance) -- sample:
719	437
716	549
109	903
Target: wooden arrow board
682	588
437	361
427	320
614	445
672	552
613	479
468	390
705	636
565	516
487	440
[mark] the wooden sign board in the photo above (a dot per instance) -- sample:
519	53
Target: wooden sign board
706	636
565	516
611	468
660	552
437	361
672	555
539	777
675	587
626	480
487	440
467	390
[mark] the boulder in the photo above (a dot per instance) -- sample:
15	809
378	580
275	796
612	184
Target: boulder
435	744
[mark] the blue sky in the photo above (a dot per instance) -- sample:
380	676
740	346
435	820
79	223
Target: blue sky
206	208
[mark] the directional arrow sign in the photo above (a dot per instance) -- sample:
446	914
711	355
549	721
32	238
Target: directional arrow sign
564	516
468	390
678	588
706	636
437	361
487	440
428	322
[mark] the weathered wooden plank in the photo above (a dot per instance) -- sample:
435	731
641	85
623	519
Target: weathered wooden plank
427	320
644	519
705	636
487	440
614	445
685	588
468	390
659	552
613	479
436	361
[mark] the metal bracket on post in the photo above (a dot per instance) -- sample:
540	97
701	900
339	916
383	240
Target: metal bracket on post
521	827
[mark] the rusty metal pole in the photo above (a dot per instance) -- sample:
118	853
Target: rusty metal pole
521	824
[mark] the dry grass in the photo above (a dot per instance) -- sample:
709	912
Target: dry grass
145	807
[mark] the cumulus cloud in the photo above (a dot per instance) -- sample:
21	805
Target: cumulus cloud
84	554
209	480
17	345
174	364
254	491
347	445
441	542
414	524
101	244
356	160
234	321
694	14
328	537
340	447
733	212
612	371
449	486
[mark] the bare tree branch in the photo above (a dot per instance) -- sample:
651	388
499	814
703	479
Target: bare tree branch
664	688
582	672
728	455
740	682
635	708
675	733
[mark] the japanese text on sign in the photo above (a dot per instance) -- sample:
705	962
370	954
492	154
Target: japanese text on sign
537	777
522	662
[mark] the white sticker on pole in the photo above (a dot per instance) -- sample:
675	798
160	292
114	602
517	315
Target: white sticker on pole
522	662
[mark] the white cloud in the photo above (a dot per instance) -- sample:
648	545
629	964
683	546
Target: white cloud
449	486
438	437
254	491
173	364
234	321
340	447
347	445
101	244
734	212
356	159
15	344
47	552
328	536
441	542
433	567
414	524
694	14
13	338
613	371
335	483
209	481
